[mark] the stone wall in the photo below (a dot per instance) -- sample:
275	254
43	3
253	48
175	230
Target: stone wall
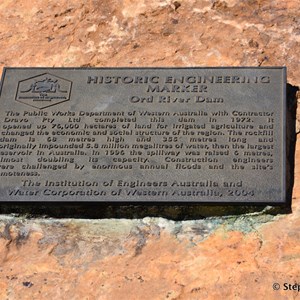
220	257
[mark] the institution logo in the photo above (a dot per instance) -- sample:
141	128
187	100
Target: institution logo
43	90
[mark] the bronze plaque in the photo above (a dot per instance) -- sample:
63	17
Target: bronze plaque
198	135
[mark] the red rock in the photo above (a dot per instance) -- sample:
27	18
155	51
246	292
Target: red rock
150	33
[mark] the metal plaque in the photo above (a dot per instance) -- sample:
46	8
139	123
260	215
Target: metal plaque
198	135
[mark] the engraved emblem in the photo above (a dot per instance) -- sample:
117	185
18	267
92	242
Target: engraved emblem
43	90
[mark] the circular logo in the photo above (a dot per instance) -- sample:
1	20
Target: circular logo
276	286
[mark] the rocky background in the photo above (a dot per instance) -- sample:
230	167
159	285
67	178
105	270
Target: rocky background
229	257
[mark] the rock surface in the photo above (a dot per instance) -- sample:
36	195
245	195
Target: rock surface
233	257
151	33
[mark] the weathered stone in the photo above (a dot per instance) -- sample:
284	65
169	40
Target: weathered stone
148	258
151	33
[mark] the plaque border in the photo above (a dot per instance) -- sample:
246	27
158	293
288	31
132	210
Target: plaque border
286	195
